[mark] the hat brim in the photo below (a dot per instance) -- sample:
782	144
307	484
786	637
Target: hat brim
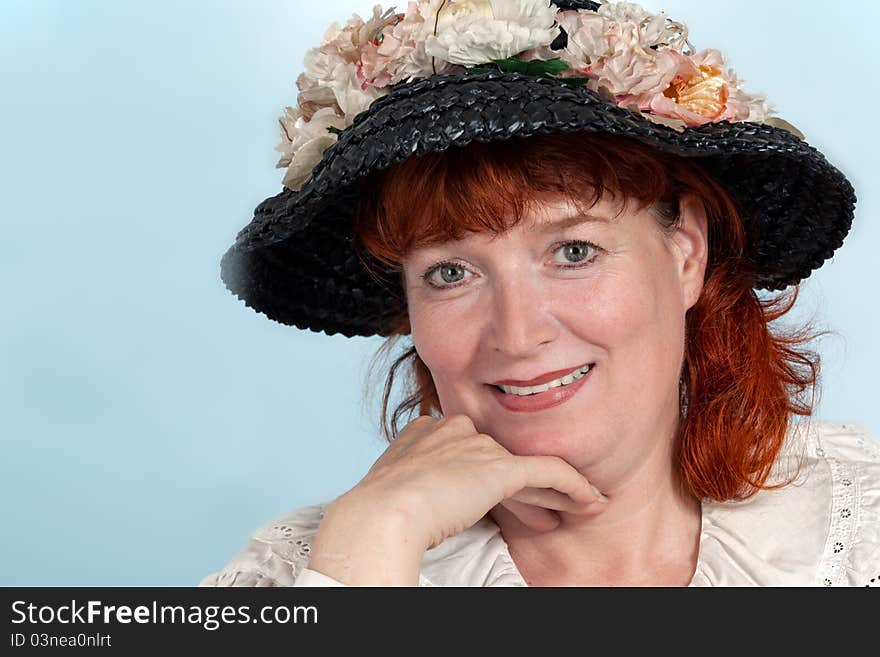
295	261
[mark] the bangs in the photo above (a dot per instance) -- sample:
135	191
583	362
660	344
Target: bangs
488	187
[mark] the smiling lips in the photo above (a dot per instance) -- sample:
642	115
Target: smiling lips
544	378
568	379
540	401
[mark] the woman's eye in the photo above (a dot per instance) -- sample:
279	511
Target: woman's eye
447	275
576	252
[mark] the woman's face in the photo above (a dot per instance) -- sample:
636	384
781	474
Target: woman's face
553	293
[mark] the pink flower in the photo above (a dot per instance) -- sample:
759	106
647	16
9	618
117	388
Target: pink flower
631	69
701	92
616	50
349	42
335	67
397	51
634	70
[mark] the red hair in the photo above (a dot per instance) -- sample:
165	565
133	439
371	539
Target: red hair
742	381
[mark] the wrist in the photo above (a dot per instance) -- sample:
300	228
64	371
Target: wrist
360	545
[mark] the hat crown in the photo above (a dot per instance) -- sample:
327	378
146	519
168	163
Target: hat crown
644	61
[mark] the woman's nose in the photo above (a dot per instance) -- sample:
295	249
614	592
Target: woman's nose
519	318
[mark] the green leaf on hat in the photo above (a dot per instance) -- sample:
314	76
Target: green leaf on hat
572	81
546	67
478	69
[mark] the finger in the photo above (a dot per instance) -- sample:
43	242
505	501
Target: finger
549	498
554	472
533	517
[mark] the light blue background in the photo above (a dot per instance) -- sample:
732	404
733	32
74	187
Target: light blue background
149	420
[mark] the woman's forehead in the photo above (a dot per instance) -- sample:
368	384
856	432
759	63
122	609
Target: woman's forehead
539	216
539	223
555	208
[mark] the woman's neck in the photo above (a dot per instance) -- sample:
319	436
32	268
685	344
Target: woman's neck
649	534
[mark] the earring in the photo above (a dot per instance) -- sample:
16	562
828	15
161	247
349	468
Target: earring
682	396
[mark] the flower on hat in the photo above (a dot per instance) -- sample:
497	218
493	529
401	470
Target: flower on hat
623	48
643	61
474	32
398	50
306	141
701	92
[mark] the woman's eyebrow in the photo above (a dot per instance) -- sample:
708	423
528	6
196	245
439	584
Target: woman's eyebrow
568	222
543	228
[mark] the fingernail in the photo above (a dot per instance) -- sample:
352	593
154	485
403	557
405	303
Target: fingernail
599	496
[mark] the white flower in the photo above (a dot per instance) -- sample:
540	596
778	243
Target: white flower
305	138
352	95
289	131
623	11
304	142
313	96
757	109
661	31
654	29
472	32
586	38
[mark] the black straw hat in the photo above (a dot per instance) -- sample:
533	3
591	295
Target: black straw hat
297	260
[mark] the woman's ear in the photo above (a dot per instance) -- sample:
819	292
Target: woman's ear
692	239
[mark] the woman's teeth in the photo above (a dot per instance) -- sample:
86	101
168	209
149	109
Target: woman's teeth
571	377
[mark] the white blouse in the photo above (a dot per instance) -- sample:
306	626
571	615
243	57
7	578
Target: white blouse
821	530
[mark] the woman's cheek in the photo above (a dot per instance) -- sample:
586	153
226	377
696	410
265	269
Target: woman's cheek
441	339
607	307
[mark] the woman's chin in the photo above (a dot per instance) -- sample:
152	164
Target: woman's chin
572	446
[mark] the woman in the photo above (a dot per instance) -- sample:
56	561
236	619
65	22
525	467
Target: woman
568	211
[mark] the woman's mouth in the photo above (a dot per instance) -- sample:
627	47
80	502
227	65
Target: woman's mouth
541	397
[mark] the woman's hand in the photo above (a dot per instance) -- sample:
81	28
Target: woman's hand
439	477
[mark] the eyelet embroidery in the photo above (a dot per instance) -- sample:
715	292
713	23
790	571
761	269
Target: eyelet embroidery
844	514
843	522
292	541
290	547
